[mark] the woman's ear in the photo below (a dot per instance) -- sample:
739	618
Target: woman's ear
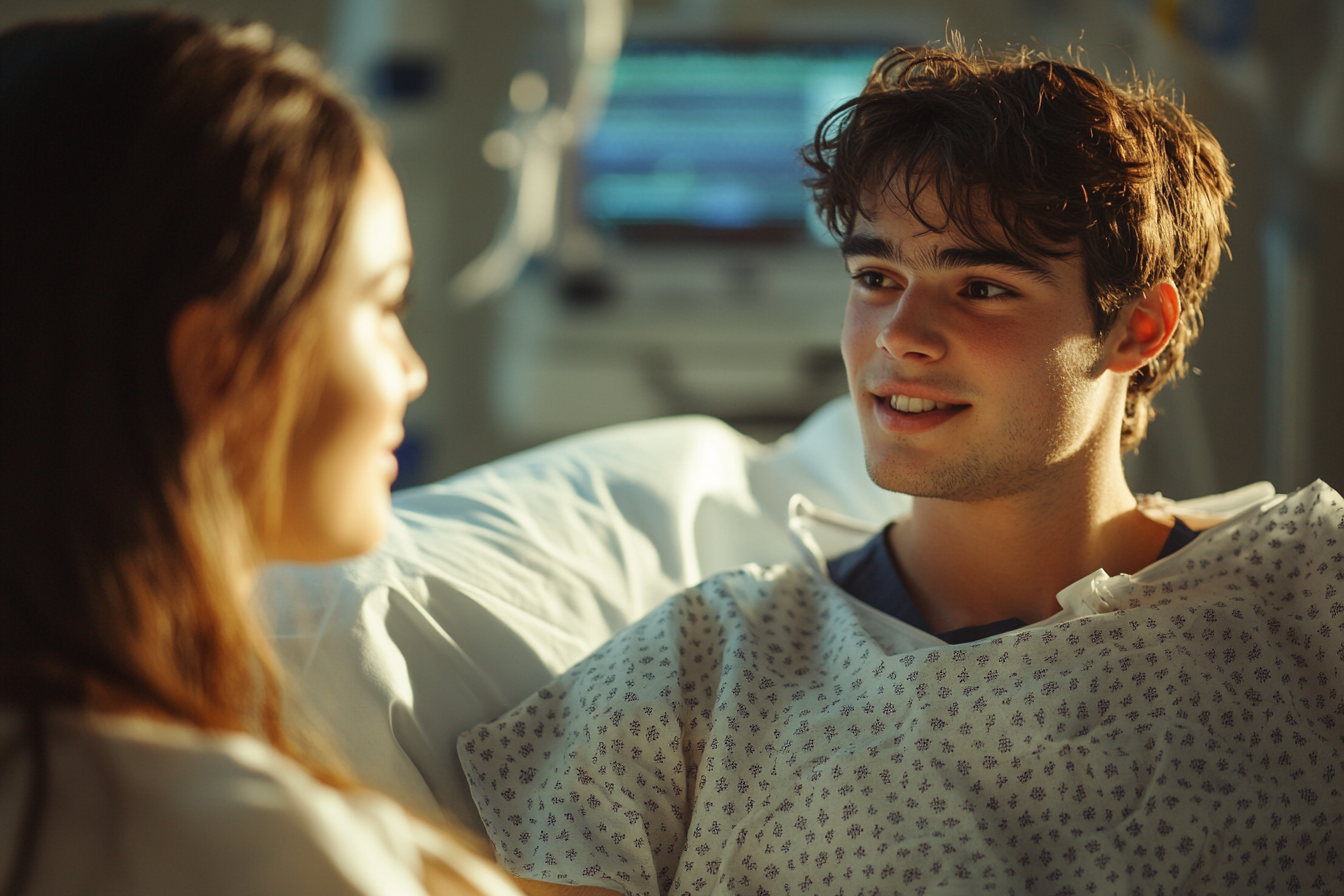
202	351
1144	328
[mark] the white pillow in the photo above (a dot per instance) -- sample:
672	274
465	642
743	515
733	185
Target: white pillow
491	583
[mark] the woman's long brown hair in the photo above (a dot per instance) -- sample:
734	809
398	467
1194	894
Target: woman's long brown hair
149	161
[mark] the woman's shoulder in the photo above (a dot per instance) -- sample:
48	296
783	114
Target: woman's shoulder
145	806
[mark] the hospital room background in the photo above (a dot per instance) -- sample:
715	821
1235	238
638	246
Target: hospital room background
608	223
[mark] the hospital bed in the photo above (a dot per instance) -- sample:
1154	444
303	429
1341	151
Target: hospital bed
494	581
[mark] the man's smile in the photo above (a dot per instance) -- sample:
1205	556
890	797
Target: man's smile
910	405
904	412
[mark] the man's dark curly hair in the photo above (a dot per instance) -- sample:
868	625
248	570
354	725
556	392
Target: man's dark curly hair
1050	159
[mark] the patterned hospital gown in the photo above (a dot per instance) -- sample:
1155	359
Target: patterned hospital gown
762	734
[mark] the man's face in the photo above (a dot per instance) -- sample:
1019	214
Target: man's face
1000	346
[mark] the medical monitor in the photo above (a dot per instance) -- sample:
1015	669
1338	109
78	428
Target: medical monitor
700	139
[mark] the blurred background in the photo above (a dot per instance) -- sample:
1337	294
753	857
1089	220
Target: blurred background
608	223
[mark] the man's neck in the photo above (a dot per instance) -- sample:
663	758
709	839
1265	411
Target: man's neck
974	562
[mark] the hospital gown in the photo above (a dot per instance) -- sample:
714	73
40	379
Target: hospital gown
765	733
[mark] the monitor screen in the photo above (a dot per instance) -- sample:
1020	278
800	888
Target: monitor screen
700	140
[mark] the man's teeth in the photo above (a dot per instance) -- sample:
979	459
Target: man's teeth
915	405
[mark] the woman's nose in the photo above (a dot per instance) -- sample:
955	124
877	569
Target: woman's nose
417	375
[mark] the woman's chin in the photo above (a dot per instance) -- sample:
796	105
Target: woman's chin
351	533
367	532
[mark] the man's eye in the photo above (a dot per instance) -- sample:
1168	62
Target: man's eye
982	289
873	280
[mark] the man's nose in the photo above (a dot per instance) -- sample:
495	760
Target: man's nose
913	330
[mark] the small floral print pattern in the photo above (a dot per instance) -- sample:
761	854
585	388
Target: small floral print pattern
751	736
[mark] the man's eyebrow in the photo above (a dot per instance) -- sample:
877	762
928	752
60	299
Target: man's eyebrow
993	258
946	259
870	246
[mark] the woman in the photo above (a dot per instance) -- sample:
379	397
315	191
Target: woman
203	254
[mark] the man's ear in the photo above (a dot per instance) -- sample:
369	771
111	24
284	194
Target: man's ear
202	351
1144	328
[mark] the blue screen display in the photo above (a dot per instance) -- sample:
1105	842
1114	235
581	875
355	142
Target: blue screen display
706	137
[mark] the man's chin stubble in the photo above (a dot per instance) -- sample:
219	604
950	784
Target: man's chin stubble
969	480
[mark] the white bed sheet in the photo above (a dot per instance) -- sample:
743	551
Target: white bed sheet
491	583
494	581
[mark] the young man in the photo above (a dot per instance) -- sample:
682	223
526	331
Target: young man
1030	250
970	710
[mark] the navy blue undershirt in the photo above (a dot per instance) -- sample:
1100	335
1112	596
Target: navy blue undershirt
870	574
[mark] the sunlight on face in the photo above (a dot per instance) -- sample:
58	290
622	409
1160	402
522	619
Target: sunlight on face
341	465
998	352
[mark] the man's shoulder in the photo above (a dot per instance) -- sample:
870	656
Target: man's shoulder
1271	551
755	576
1207	511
